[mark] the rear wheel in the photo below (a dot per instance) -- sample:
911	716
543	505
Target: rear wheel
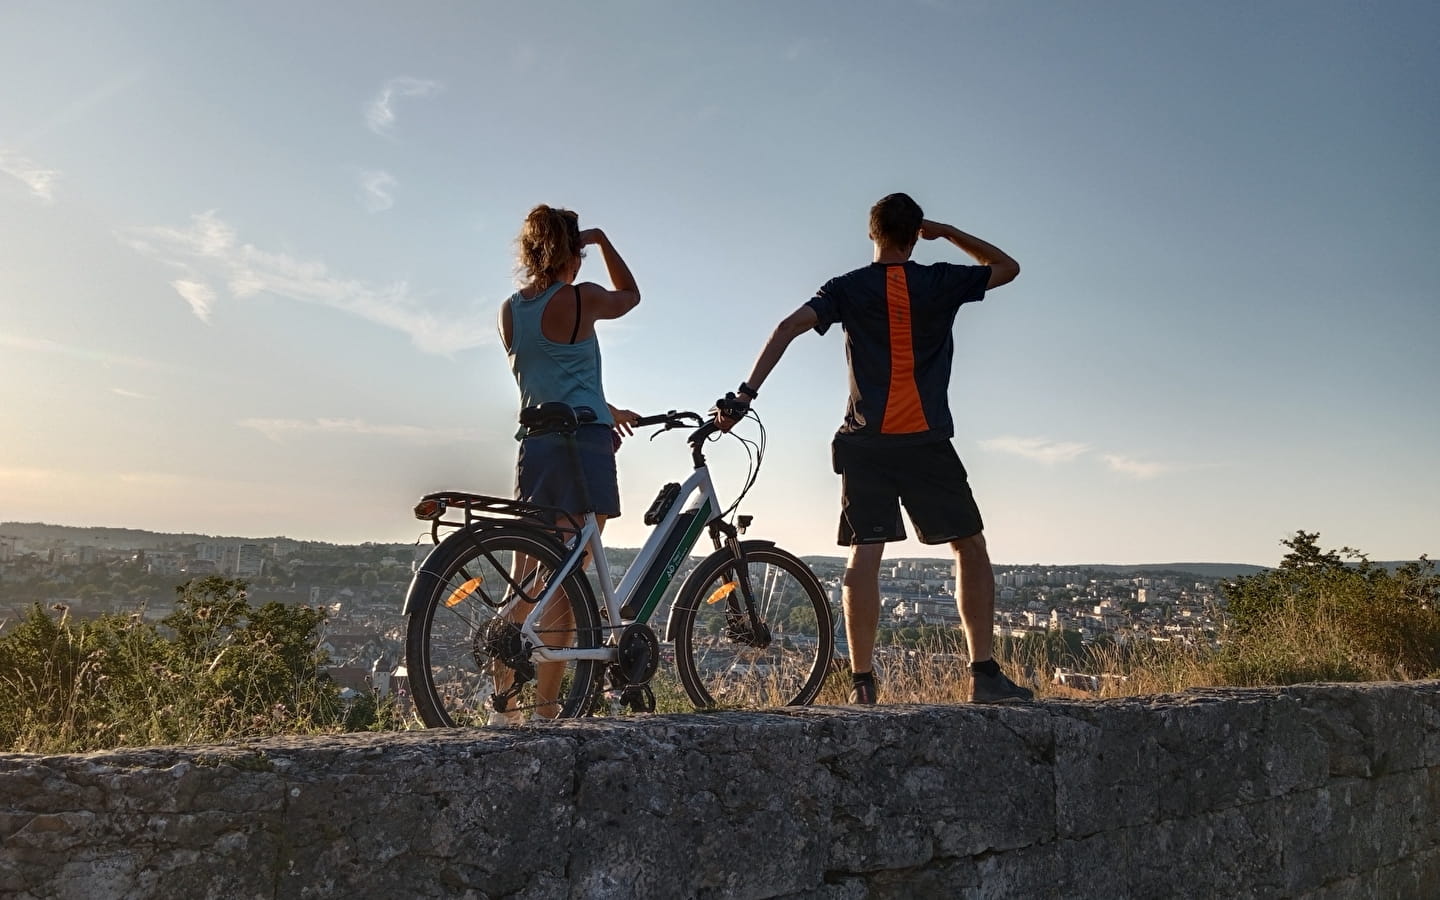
463	642
724	659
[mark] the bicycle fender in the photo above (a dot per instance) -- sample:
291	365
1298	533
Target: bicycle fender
432	571
683	597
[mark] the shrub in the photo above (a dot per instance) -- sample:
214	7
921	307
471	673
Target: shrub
1332	616
215	669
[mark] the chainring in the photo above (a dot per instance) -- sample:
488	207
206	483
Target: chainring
639	654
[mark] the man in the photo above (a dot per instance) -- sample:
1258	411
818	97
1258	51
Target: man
894	446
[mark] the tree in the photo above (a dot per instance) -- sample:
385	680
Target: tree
1333	615
802	619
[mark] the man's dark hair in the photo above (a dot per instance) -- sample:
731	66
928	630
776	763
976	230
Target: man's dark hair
895	221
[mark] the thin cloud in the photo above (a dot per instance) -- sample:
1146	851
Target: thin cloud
198	294
1138	468
76	110
131	395
210	252
1040	450
28	476
378	188
45	345
380	113
37	179
279	429
1048	452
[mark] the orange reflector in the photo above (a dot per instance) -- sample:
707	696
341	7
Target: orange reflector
429	509
460	593
721	592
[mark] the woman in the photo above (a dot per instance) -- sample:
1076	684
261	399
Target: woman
548	329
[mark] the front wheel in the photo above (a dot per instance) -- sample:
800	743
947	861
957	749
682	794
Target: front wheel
727	659
463	642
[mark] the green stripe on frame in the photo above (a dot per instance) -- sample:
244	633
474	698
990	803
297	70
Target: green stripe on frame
683	550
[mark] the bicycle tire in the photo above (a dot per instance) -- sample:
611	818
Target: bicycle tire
719	667
468	588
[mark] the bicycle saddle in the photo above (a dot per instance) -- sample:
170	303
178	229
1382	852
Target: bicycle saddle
555	417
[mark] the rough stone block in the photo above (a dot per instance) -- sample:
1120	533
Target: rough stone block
1310	791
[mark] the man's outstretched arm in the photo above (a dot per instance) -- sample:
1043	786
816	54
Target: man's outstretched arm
791	327
1003	268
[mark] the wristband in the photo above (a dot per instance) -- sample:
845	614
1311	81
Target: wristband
747	389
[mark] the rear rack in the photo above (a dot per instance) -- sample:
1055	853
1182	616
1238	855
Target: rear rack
479	509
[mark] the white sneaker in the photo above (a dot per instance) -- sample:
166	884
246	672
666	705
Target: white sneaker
507	719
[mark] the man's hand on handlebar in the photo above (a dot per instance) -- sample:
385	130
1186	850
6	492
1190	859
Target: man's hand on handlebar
729	410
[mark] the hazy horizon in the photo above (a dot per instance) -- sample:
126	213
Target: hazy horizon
251	256
701	548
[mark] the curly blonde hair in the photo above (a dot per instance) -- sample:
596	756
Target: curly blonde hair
549	243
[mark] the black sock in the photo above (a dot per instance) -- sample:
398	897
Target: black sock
989	668
859	678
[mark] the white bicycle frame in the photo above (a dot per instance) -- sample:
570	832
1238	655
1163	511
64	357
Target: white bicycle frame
702	489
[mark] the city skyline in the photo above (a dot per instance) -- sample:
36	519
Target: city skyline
250	258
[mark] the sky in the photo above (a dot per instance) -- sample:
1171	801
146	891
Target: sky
251	256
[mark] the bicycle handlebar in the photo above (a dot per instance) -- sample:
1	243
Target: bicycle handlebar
684	419
671	419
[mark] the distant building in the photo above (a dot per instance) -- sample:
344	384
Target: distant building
198	567
209	551
249	561
351	680
164	562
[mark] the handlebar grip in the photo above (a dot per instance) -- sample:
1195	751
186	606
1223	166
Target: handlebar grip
673	419
732	407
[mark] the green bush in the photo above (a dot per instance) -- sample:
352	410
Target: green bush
215	669
1332	616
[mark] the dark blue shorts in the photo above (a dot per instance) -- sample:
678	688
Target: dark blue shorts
928	479
545	472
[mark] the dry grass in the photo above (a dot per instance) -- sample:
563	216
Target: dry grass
1298	646
923	675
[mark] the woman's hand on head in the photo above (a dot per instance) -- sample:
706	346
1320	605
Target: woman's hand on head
591	236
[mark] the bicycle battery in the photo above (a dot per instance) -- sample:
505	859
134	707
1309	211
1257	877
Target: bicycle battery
677	543
666	499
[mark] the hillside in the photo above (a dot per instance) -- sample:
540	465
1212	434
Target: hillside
40	533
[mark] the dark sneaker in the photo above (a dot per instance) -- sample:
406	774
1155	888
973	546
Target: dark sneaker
997	689
863	694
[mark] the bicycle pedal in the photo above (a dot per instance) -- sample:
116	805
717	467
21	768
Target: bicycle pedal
639	698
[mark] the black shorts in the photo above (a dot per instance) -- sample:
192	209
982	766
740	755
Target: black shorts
545	472
928	479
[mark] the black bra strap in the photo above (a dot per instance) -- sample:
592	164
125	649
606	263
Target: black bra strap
575	332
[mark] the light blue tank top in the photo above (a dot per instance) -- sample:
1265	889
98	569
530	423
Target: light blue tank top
546	370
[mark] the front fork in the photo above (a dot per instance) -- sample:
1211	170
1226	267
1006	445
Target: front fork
742	618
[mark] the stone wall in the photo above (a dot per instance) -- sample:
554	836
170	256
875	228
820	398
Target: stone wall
1311	791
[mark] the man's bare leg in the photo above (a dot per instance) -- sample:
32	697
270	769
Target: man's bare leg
977	610
975	582
861	597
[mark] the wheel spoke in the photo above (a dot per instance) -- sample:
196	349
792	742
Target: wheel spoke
462	647
724	660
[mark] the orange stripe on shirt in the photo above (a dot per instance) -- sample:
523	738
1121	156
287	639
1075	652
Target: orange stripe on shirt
904	413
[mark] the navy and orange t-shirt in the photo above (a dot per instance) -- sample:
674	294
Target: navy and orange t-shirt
897	321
